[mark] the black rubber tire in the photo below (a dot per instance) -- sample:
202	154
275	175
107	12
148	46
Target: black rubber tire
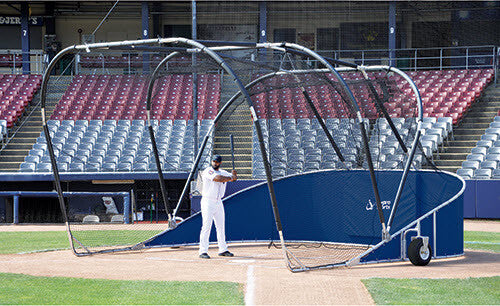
416	253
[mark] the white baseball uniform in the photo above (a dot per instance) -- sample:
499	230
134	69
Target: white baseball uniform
212	209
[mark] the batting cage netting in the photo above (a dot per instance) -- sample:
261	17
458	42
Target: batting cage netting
270	110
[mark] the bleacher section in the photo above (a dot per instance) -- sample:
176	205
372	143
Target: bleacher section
450	93
299	145
16	92
114	97
484	160
123	145
100	122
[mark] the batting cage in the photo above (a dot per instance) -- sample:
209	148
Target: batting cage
337	145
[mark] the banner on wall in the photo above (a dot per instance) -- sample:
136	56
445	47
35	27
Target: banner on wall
16	20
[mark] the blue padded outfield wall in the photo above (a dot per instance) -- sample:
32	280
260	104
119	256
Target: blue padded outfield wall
482	199
338	206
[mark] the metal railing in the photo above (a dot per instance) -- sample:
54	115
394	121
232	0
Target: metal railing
467	57
11	61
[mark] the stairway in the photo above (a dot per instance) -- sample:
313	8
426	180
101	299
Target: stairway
469	130
236	122
29	127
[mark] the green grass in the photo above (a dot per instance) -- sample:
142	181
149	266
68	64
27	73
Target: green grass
28	290
18	242
482	241
477	291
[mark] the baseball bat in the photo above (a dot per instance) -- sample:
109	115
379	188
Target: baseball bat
231	144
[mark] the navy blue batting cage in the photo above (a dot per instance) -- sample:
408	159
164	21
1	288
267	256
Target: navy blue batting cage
322	133
348	219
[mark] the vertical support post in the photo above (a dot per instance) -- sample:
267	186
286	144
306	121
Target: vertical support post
194	35
145	33
15	210
25	37
262	29
126	208
415	60
392	32
467	58
441	59
434	233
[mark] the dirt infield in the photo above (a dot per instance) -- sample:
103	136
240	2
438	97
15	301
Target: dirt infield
259	267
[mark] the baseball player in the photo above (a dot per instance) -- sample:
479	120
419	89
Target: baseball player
212	210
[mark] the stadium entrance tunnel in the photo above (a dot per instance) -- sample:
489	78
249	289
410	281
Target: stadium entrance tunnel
326	213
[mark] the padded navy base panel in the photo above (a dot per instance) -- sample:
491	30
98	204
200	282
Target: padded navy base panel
337	206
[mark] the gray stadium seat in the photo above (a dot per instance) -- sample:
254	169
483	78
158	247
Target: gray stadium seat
43	167
489	164
484	143
140	167
479	150
76	167
27	167
108	167
466	173
92	167
496	174
124	167
482	174
476	157
470	164
493	150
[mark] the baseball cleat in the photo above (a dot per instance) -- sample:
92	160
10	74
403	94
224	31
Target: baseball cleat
226	254
204	256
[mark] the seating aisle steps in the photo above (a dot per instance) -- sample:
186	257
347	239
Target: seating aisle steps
469	130
239	124
29	127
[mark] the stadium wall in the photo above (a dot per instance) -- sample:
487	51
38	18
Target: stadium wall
482	199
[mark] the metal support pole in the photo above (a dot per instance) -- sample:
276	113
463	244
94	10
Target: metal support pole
25	37
392	32
15	208
441	59
145	33
194	34
262	30
126	209
467	58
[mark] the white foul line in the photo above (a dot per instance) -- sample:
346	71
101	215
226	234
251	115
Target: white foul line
249	294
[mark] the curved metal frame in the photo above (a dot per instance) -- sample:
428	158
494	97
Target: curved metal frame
200	48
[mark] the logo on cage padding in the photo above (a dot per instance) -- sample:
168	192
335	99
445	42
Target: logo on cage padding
385	205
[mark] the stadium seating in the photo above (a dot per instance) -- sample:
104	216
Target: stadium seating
16	92
289	141
484	160
115	97
445	93
123	145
